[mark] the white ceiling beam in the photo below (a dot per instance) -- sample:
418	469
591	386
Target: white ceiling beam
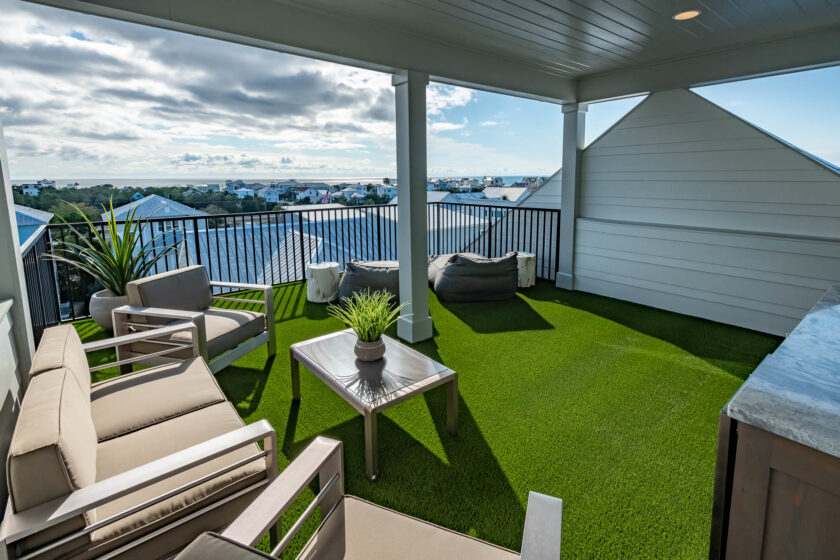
779	56
322	35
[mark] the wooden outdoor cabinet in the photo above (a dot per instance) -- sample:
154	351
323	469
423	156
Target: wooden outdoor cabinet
777	477
774	498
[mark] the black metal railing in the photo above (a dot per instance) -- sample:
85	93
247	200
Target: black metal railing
275	247
40	282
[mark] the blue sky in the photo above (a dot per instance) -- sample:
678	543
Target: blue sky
84	97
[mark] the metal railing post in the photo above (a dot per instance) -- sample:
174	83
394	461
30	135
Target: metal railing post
302	248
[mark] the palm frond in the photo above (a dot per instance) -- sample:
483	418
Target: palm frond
114	258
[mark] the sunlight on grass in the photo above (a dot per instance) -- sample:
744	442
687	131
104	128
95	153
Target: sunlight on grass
609	405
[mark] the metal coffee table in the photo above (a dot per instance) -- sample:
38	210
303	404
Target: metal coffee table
371	387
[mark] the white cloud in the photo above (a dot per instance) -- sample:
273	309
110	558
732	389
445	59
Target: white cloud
489	123
89	97
440	98
445	126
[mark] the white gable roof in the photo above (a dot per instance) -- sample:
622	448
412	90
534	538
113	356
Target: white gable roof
155	206
31	216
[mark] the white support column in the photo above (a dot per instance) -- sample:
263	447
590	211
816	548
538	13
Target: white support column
574	129
13	281
415	324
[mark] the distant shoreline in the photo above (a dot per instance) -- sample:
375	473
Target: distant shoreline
171	182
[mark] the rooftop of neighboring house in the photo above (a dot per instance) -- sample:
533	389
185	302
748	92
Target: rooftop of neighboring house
31	216
155	206
509	193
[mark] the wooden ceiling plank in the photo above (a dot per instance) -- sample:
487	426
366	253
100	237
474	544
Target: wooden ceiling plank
500	27
524	11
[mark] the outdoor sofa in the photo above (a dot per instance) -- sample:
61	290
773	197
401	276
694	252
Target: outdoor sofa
355	529
468	277
132	467
186	294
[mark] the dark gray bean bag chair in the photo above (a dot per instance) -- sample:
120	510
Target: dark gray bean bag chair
467	277
372	275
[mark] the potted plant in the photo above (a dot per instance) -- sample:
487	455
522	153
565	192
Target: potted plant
369	314
113	259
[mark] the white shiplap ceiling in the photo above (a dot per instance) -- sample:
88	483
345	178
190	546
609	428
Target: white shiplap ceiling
560	50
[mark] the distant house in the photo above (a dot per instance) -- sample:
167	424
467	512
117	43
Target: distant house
242	192
212	187
285	186
231	186
387	190
493	182
34	189
350	192
351	187
29	220
72	186
532	183
270	194
191	192
311	193
321	186
137	196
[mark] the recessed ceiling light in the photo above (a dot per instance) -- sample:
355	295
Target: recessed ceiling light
686	15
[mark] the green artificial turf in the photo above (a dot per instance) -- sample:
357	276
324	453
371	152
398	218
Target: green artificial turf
609	405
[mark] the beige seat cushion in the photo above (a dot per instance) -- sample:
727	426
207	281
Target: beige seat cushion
53	448
52	452
210	546
136	400
226	329
375	532
61	347
187	289
137	448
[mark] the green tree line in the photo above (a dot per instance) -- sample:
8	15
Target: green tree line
90	200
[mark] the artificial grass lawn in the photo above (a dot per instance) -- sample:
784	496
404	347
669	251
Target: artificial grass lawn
609	405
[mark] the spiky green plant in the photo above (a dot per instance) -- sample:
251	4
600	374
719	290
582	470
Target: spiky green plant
368	313
115	260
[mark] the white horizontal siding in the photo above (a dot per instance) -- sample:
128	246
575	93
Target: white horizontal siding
761	282
678	159
688	208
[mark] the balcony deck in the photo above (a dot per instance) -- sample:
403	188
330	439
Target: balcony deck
610	405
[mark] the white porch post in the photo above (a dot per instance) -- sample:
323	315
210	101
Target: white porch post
12	280
574	129
415	324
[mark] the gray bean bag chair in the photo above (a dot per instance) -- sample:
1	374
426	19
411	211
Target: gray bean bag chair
467	277
371	275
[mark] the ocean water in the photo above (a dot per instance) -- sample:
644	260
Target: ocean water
170	182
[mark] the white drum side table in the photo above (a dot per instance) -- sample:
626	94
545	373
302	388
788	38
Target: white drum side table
527	269
321	282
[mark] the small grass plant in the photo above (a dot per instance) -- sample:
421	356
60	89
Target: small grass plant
368	313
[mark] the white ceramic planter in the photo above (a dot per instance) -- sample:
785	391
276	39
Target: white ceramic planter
101	305
370	351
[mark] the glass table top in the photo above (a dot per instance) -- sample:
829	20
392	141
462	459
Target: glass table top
370	382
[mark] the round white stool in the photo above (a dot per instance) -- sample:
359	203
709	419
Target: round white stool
321	282
527	269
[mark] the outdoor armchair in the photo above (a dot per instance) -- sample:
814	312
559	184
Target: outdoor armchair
353	528
224	335
135	465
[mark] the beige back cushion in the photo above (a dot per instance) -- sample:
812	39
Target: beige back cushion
61	347
186	289
53	448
